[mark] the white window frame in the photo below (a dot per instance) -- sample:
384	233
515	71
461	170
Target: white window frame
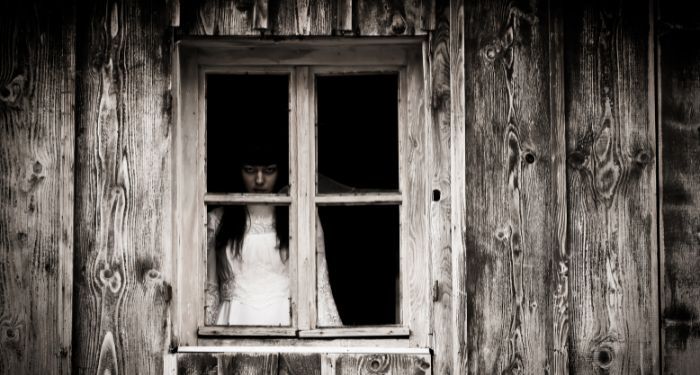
302	60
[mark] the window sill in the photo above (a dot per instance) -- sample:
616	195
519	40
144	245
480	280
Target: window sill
302	349
318	333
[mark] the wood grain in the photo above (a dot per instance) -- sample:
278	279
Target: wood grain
37	130
680	157
559	312
123	216
217	17
196	364
438	97
248	364
379	364
510	220
299	364
458	210
611	178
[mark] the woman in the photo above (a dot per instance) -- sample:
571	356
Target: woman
248	256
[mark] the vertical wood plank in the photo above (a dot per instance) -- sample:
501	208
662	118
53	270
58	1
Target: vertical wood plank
260	14
343	16
123	214
387	17
428	16
37	129
439	109
558	313
299	364
197	364
415	213
216	17
248	364
611	199
458	187
300	17
680	156
510	183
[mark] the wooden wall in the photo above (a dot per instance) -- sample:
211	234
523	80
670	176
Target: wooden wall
566	161
37	132
678	85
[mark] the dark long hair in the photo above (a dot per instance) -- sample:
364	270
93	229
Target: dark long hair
233	224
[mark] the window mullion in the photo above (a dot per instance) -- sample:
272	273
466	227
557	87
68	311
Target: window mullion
306	218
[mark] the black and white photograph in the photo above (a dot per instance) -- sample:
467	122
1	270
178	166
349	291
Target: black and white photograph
349	187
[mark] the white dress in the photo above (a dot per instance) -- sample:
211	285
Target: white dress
258	293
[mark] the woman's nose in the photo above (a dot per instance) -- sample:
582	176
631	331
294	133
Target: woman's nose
259	178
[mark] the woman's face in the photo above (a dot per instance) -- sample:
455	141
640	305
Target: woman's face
259	178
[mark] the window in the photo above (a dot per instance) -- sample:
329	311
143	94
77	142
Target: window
343	128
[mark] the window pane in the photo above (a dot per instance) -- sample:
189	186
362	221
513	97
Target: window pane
247	125
357	132
248	281
362	252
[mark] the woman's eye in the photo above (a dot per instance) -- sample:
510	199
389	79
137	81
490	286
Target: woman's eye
249	170
270	170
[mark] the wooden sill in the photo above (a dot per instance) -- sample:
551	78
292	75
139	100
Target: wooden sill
247	331
367	331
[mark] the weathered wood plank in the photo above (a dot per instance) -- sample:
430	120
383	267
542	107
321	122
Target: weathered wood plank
384	364
439	109
415	215
197	363
249	364
680	156
457	188
510	183
387	17
559	311
123	214
217	17
299	364
301	17
343	16
37	130
611	179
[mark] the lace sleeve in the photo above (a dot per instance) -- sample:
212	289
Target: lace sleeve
327	310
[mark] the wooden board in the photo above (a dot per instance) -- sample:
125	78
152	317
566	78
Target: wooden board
303	17
37	132
611	177
123	179
511	219
375	364
680	159
438	99
303	364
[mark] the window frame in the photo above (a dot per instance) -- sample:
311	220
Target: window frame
303	61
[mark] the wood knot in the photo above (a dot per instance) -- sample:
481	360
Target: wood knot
529	157
398	24
643	157
37	167
576	159
491	52
11	93
112	280
376	364
603	356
